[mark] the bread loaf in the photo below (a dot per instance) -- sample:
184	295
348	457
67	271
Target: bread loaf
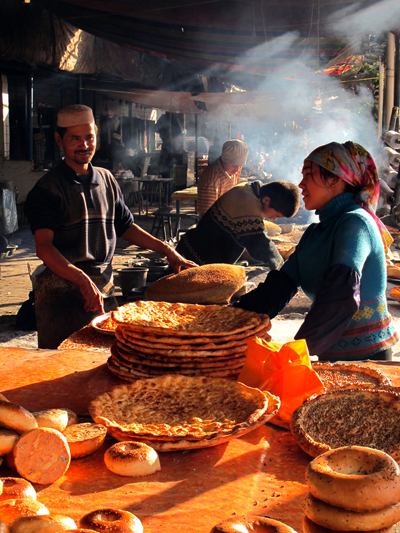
42	455
206	284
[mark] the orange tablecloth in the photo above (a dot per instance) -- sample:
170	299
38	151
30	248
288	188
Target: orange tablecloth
261	473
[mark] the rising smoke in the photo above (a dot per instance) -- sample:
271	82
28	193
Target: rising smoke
303	108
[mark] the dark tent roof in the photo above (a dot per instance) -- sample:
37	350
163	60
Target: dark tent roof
239	38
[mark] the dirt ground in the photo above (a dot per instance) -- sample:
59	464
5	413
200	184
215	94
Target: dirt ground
15	285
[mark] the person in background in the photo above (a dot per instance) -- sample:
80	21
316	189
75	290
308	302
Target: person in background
339	262
234	223
112	156
221	175
76	212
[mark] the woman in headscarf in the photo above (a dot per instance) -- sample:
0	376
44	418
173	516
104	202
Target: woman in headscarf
339	262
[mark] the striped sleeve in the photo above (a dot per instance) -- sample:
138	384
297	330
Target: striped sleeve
207	191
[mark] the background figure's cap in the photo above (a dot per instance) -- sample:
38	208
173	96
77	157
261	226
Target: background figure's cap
234	152
74	115
116	136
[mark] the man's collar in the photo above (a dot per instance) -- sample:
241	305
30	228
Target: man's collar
71	175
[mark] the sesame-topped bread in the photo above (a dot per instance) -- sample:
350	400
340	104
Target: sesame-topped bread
206	284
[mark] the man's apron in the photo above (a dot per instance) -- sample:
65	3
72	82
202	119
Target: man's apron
59	307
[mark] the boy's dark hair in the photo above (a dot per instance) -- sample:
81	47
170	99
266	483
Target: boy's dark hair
284	197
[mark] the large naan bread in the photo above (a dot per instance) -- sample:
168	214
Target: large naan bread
187	444
349	417
206	284
350	375
186	319
172	407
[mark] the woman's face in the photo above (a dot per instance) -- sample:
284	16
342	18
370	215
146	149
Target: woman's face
315	191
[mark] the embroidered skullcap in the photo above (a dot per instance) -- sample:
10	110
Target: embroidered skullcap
74	115
234	152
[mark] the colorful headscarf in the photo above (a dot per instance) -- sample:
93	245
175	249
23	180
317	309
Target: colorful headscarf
353	164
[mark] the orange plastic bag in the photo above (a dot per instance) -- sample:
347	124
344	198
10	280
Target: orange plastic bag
283	370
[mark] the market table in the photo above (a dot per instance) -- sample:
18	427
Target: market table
156	187
185	194
260	473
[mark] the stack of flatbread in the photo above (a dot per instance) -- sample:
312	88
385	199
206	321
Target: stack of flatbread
157	338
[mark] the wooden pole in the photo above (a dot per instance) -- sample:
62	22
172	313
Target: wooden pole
380	96
390	58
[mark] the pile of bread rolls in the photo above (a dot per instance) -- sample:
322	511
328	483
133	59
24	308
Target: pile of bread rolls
353	488
21	513
28	439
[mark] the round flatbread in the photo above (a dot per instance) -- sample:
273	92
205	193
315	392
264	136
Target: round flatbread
188	444
124	341
180	407
123	335
139	371
185	319
349	417
205	362
233	367
340	375
260	330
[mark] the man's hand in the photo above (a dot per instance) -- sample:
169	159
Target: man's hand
53	259
140	237
92	295
176	261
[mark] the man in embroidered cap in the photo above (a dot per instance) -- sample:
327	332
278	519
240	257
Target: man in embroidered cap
76	212
221	175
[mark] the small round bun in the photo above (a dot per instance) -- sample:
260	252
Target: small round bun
12	509
72	417
42	524
14	488
52	418
8	438
84	439
132	459
15	417
112	521
253	524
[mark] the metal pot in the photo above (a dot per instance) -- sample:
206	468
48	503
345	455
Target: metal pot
131	278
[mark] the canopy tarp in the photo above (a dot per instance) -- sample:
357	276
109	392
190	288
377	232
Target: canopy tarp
215	37
175	102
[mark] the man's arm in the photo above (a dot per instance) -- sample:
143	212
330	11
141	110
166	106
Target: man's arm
139	237
54	260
